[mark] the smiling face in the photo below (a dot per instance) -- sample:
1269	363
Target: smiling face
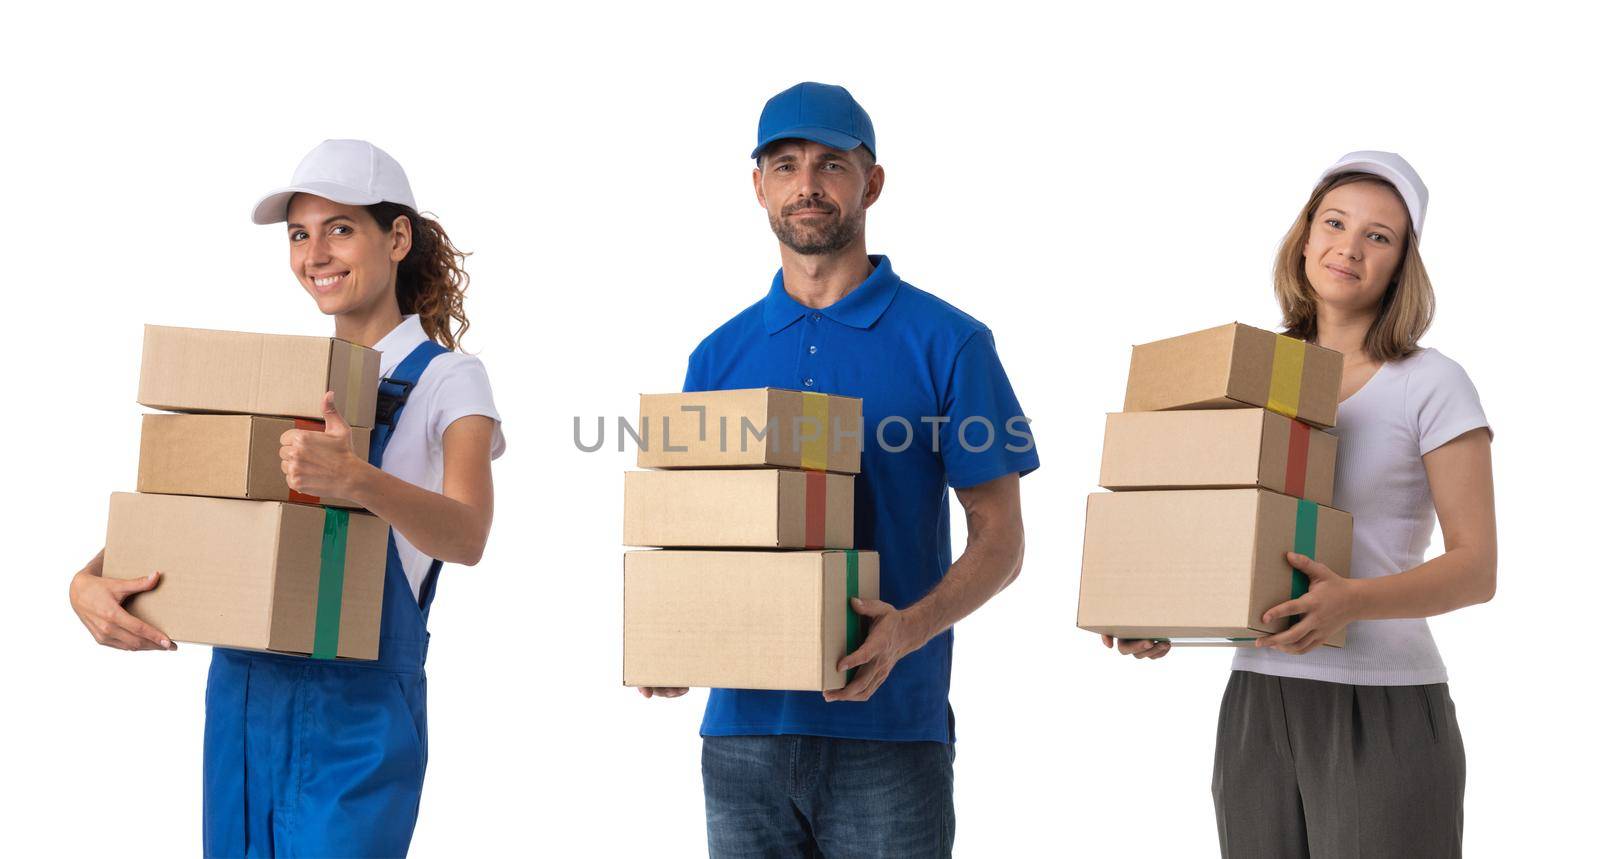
342	257
1356	242
816	197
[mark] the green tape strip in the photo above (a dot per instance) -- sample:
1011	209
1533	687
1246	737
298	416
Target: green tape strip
330	583
1305	543
852	621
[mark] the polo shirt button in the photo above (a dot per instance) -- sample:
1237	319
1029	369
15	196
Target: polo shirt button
808	383
816	317
812	350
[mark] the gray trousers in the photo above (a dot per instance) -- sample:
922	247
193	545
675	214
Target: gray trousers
1329	770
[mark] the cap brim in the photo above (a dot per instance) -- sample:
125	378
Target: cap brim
825	136
274	208
1399	181
1373	168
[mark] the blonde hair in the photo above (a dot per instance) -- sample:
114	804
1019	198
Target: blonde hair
1404	312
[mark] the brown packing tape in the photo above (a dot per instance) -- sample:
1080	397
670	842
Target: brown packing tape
234	372
353	377
353	398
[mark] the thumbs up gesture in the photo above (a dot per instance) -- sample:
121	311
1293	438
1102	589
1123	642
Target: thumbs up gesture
322	463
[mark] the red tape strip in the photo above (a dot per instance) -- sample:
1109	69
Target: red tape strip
313	426
1294	476
816	509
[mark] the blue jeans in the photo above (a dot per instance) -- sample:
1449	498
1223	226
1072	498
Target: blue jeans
782	796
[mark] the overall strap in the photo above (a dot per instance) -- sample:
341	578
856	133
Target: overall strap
393	391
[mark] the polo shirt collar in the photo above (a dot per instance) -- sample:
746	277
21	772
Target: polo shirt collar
399	342
860	307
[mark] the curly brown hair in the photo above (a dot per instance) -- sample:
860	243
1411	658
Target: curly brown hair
432	280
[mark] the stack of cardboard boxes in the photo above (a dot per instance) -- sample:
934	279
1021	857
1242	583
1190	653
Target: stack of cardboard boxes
753	516
245	561
1219	465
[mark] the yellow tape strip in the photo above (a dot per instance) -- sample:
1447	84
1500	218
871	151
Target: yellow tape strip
1288	362
814	451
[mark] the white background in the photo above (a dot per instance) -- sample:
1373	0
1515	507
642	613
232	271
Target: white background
1081	182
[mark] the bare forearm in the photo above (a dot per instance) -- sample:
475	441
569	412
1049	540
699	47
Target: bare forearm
440	527
1461	482
988	565
1460	577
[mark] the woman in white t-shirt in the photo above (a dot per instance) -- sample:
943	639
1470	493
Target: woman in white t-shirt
308	756
1355	751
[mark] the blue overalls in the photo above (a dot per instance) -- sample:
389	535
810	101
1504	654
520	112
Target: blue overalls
309	757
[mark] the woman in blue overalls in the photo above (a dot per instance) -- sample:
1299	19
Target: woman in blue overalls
305	757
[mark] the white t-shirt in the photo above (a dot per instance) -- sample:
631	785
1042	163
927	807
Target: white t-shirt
1407	409
454	386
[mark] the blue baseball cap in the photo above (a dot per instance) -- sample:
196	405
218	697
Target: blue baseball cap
821	113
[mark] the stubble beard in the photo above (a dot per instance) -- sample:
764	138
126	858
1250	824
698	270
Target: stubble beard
828	238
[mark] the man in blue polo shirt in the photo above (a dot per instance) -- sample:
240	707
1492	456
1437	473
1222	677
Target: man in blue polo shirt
865	770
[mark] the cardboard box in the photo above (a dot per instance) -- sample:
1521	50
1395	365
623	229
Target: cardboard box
750	427
1232	366
261	575
738	508
741	620
225	456
196	370
1200	564
1217	449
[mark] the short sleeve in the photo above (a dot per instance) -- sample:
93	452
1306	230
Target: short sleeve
695	378
986	436
462	389
1442	401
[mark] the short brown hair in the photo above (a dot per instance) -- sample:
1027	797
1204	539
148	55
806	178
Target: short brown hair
1406	309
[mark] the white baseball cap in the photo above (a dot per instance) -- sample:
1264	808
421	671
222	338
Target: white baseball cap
1397	171
352	172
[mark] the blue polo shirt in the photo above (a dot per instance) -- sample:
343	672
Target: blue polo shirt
915	362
